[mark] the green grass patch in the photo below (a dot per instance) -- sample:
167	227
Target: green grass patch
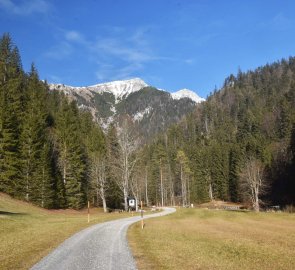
28	233
212	239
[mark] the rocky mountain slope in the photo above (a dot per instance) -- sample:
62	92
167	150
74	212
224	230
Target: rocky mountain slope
151	109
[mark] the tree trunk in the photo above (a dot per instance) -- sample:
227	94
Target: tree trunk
65	166
210	192
171	186
188	192
136	203
97	196
102	183
42	190
256	201
125	193
27	186
104	204
162	188
182	180
146	187
64	174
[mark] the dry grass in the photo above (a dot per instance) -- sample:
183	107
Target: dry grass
214	239
28	233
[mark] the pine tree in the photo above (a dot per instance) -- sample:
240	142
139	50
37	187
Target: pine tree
11	92
45	193
285	123
219	172
33	132
184	173
233	177
199	186
71	155
291	171
114	193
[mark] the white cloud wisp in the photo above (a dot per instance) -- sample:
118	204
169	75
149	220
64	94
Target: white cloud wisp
24	8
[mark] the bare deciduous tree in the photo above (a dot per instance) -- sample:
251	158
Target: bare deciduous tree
124	165
253	182
99	179
137	186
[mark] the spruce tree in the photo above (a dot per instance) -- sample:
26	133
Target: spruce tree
219	171
11	92
233	178
114	194
184	175
71	155
34	144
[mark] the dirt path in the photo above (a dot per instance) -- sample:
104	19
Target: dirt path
102	246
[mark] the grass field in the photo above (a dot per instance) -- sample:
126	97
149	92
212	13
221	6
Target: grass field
212	239
27	233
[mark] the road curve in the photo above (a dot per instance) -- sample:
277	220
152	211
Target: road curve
101	246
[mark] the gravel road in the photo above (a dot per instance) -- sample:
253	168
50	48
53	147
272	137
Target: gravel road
101	246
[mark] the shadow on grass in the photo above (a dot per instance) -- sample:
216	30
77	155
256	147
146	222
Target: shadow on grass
11	213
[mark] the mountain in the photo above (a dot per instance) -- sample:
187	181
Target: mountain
119	89
186	93
151	109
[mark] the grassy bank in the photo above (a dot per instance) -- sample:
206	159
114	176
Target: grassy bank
28	233
211	239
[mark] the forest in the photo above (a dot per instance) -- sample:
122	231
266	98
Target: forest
238	146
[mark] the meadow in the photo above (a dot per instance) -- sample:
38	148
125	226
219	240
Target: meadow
215	239
28	232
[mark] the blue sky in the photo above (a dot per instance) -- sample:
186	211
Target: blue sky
169	44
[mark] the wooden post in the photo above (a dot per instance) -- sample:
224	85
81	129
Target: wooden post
88	212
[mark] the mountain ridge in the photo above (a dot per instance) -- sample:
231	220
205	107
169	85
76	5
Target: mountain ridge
151	109
123	88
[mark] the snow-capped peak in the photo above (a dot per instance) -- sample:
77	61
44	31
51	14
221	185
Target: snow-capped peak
120	89
186	93
133	81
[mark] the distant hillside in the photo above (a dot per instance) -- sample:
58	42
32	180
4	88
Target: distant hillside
250	120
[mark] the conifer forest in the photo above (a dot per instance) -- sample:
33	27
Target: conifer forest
238	145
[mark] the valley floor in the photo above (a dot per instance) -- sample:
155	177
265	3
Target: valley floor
215	239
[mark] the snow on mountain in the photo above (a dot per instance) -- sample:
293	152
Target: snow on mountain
186	93
152	110
139	115
120	89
